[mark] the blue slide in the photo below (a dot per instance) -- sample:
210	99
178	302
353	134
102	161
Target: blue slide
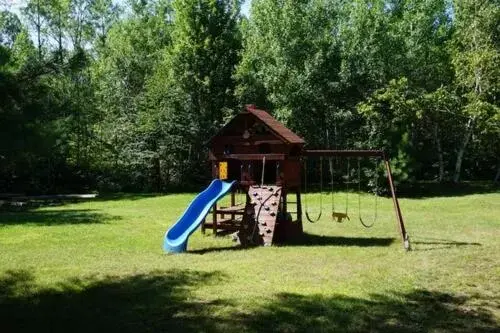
177	236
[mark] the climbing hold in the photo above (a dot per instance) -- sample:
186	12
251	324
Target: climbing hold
268	231
273	214
255	194
263	223
266	208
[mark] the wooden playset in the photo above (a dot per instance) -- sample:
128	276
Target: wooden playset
267	161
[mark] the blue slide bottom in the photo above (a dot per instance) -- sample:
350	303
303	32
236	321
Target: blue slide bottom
177	236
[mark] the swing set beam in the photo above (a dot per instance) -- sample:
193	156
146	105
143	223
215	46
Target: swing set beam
344	153
371	153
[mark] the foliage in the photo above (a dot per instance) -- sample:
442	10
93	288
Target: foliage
192	88
291	64
123	95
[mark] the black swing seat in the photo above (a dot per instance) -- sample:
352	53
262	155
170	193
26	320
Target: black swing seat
365	224
313	220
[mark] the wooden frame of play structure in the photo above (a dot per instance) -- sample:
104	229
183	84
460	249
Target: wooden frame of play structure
267	160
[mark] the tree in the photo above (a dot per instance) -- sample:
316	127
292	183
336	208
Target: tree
34	12
391	114
424	29
125	94
10	27
126	61
104	14
194	86
28	115
56	18
291	63
476	58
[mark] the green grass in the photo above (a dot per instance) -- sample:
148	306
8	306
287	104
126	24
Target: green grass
98	266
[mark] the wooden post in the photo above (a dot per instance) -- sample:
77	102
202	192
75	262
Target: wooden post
233	202
215	174
397	209
299	211
284	208
214	217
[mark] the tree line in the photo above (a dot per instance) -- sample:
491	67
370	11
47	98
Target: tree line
117	96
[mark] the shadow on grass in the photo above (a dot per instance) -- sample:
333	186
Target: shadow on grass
320	240
222	249
165	302
428	244
311	240
156	302
418	311
56	217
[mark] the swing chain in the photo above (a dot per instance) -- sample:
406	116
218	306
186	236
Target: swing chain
330	164
359	198
320	190
348	179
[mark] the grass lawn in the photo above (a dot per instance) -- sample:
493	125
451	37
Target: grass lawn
98	266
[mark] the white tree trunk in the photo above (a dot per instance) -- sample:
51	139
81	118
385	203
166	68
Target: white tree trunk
497	177
38	30
463	147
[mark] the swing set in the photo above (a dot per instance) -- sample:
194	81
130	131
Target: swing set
265	159
338	215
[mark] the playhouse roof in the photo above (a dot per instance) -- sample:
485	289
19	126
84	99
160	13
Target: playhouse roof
275	126
271	123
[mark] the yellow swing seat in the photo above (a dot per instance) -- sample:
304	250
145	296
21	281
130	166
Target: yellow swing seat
340	217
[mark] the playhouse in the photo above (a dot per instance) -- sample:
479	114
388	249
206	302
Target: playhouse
255	149
260	163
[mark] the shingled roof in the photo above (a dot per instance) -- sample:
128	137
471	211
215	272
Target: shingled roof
272	124
275	126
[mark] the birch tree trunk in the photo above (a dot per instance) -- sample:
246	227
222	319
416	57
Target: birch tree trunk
463	147
38	30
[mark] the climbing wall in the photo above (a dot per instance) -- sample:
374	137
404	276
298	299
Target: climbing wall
266	202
